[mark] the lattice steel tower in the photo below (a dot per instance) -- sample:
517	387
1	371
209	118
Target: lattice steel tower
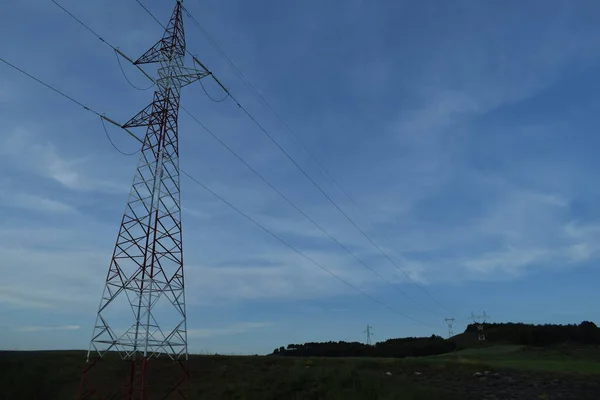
450	323
145	279
369	333
480	320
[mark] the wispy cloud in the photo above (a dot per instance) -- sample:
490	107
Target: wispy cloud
281	279
49	272
53	296
240	327
459	83
18	299
31	202
34	153
48	328
586	241
465	166
509	231
195	213
41	156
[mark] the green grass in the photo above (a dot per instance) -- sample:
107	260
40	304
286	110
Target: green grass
321	378
569	359
55	375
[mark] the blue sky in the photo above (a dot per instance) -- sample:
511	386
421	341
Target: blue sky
465	132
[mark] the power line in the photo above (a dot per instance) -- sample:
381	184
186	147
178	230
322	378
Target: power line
54	89
225	201
82	24
50	87
115	49
113	143
212	98
240	74
316	185
249	218
295	206
190	53
257	94
120	53
127	79
260	176
251	87
150	13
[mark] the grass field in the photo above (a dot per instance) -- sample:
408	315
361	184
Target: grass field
55	375
567	359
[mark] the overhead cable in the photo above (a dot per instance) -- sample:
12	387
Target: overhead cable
294	136
205	187
345	248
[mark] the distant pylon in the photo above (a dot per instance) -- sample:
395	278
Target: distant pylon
369	333
145	278
450	322
480	320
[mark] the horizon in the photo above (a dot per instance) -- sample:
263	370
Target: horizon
208	353
464	133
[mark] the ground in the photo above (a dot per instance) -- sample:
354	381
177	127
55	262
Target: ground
499	372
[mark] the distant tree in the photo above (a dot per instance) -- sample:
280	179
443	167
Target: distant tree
588	325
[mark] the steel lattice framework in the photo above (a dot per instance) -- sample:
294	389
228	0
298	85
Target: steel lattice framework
146	271
480	320
450	323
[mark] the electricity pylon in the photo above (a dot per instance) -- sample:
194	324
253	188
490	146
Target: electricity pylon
145	275
369	334
450	322
479	320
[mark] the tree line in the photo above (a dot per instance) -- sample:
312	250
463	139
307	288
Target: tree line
507	333
539	335
401	347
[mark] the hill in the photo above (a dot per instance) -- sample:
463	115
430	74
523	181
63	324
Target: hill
581	359
586	333
529	334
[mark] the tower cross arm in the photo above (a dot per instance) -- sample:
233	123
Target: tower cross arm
190	75
143	118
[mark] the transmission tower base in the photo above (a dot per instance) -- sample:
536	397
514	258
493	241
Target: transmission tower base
145	379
